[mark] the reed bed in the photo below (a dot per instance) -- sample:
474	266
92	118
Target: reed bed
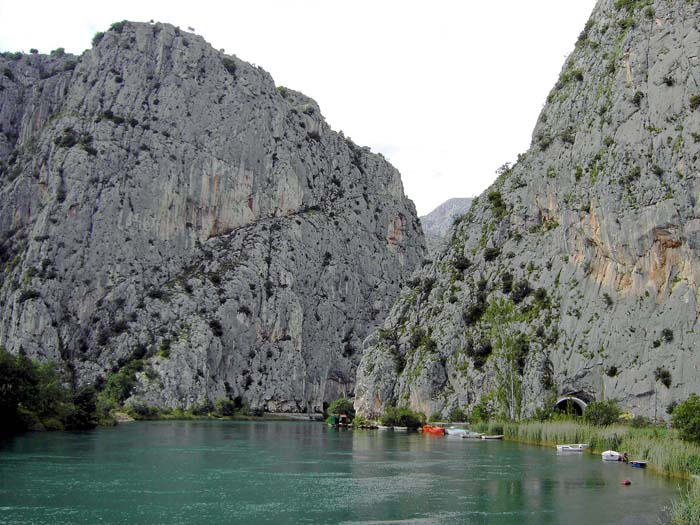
661	447
686	510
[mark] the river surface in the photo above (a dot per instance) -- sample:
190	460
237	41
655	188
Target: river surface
209	472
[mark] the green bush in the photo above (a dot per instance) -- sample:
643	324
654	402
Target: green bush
97	38
602	413
686	418
229	65
403	417
663	375
456	415
491	253
341	406
695	102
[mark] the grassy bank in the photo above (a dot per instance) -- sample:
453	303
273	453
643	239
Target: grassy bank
661	447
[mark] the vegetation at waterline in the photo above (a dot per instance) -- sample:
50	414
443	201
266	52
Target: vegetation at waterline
660	446
341	406
686	510
402	417
686	418
41	397
601	413
36	396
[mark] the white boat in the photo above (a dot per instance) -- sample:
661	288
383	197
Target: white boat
383	427
401	429
497	436
471	435
573	447
611	455
453	431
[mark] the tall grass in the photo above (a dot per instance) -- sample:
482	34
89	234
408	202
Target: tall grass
662	448
686	511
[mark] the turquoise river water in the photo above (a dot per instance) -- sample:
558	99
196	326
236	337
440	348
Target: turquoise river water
194	472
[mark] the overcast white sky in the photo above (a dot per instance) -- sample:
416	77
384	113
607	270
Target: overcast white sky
446	90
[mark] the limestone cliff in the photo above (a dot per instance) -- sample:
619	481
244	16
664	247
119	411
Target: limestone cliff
164	201
578	270
436	224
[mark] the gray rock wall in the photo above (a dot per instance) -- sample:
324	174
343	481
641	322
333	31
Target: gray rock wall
437	223
161	199
578	270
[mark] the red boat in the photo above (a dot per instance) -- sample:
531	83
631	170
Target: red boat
438	431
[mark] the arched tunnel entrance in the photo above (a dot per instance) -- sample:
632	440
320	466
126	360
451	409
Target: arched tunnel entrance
571	405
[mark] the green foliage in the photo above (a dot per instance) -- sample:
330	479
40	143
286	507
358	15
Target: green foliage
225	408
216	327
36	395
611	371
120	384
510	351
686	418
28	295
608	300
403	417
491	253
507	283
637	98
456	415
482	411
461	263
97	38
664	376
521	290
498	206
230	66
694	102
118	26
568	136
602	413
341	406
686	510
479	352
665	453
667	335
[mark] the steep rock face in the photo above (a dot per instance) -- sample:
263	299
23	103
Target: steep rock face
161	200
437	223
578	270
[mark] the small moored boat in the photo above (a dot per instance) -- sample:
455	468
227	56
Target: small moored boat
498	436
471	435
453	431
639	464
401	429
383	427
611	455
430	429
572	447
